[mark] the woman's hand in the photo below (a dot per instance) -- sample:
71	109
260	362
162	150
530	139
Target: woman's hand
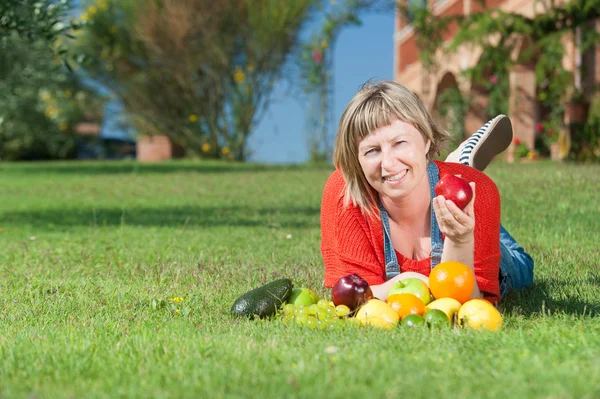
455	224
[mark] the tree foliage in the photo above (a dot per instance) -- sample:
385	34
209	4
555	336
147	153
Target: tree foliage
33	19
500	32
541	40
201	72
40	102
316	67
40	99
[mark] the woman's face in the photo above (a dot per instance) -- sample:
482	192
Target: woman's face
394	159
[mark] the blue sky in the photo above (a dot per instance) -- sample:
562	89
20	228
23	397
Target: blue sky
361	53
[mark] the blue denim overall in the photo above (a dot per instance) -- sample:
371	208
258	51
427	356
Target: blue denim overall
516	266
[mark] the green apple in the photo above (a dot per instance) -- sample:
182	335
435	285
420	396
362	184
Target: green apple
414	286
303	296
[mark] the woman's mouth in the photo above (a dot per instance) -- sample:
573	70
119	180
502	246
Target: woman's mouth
395	178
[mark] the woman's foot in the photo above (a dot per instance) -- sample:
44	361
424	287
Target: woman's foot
490	140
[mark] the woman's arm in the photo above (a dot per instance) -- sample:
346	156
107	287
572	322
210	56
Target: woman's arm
458	228
346	242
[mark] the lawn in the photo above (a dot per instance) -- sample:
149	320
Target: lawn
92	253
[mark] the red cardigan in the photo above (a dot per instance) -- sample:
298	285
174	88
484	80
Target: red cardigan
353	243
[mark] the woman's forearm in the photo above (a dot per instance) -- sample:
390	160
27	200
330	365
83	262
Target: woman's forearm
461	252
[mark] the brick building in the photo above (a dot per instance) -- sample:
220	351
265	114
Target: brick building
524	109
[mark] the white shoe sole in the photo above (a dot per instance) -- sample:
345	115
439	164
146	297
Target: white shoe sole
490	140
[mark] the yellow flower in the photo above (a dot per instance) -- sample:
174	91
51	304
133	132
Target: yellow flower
324	44
176	299
92	10
225	150
51	112
206	147
193	118
176	310
84	17
45	95
63	126
102	4
239	75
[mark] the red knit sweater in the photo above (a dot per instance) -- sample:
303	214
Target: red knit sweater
353	243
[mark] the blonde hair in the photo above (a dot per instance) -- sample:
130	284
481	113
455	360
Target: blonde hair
375	106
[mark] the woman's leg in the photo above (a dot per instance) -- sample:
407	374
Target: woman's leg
516	266
490	140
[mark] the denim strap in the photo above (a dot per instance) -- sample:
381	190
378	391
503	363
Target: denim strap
437	244
392	268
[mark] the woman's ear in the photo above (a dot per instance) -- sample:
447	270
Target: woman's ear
427	146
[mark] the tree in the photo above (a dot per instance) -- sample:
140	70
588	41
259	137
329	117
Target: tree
34	19
201	72
316	68
40	99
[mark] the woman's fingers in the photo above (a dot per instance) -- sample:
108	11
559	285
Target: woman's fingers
449	215
470	208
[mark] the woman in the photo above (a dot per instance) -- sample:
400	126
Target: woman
380	217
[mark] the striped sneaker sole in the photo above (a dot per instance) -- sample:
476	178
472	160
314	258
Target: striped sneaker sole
490	140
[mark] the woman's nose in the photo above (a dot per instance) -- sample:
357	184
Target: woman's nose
388	159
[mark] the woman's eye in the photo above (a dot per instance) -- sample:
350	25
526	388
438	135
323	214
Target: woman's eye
372	150
400	142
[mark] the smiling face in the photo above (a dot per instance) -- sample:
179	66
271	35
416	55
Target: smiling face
394	160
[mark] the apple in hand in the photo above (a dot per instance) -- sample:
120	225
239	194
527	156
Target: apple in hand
303	296
455	189
351	290
414	286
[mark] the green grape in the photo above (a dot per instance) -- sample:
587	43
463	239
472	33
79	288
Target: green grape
301	319
321	325
287	318
289	308
311	323
342	310
312	309
301	311
322	314
323	303
331	312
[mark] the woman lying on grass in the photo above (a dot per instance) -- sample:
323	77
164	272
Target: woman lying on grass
380	217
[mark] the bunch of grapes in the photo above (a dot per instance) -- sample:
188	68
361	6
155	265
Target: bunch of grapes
321	315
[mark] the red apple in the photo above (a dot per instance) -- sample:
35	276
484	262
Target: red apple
351	290
455	189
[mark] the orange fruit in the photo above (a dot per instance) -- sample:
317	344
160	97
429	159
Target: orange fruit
405	304
452	280
479	314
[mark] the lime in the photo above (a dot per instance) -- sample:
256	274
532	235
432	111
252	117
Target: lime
413	320
436	318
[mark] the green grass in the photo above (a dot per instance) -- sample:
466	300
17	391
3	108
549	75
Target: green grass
91	253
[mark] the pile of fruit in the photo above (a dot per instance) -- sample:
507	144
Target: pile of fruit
445	302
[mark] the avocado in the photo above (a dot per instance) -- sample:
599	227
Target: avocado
263	301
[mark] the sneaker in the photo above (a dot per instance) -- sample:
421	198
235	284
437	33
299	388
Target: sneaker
490	140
